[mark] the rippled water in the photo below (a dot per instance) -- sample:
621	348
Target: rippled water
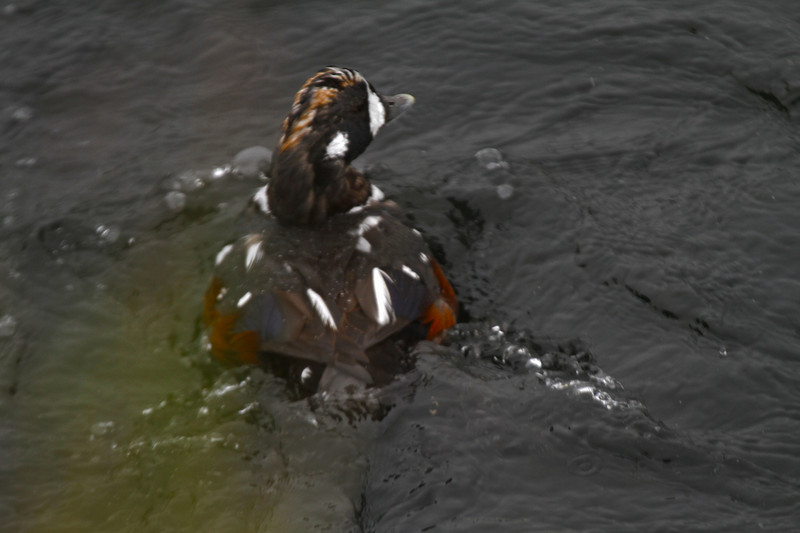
626	256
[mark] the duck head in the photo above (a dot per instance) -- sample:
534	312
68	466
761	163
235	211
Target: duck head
333	118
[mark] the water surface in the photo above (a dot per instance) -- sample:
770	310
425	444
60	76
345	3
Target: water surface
628	357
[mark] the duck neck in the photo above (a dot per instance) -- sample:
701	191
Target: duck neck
302	191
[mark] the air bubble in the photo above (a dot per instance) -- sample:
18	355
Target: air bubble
187	181
175	200
505	191
490	159
26	162
471	350
8	325
252	162
533	363
22	113
496	335
101	429
107	234
585	464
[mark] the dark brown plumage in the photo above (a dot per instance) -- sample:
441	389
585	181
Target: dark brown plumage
333	286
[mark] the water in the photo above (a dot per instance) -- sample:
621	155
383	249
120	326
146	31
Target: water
611	187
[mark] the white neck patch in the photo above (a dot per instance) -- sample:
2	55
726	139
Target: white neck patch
377	113
260	198
338	146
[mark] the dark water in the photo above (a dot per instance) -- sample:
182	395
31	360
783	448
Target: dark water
630	356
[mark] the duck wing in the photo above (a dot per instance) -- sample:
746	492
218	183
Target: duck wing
332	296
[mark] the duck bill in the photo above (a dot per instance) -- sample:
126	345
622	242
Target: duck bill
397	105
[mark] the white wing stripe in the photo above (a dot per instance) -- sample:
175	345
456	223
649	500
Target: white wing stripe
254	254
223	254
409	272
244	299
363	245
383	299
321	308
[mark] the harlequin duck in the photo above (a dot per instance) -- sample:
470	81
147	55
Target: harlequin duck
331	288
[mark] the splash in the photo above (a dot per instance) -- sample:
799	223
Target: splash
565	366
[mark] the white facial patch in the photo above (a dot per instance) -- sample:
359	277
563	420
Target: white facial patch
377	113
337	148
321	308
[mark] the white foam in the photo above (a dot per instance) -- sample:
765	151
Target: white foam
220	172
